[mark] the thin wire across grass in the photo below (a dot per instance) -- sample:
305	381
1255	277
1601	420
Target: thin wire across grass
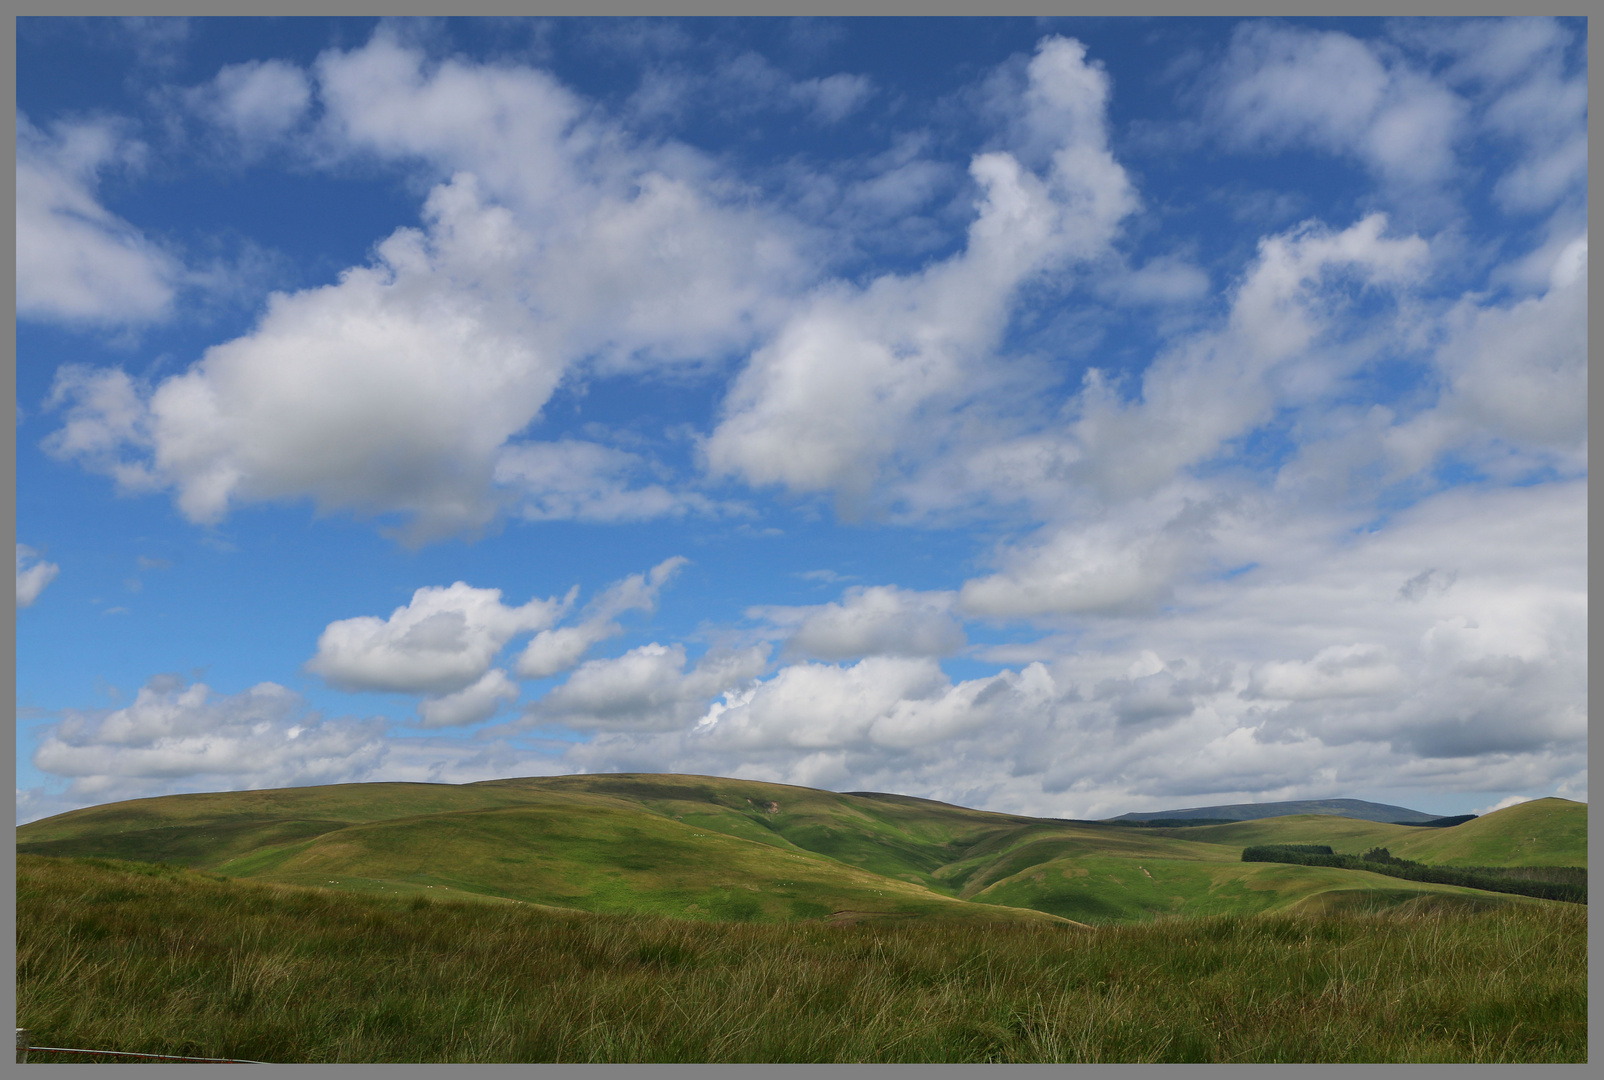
168	961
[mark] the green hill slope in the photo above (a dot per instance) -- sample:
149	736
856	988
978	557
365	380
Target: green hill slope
1543	832
1344	834
608	859
712	848
208	830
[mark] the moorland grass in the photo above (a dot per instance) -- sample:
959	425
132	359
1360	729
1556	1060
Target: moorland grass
159	959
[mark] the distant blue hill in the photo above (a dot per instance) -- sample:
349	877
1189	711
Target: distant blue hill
1348	808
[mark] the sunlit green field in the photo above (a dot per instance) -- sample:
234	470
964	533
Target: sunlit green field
163	960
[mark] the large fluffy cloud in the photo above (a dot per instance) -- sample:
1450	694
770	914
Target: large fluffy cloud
392	390
1221	384
400	388
634	255
1337	671
1087	568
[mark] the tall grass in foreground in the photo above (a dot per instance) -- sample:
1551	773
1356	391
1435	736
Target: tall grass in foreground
133	957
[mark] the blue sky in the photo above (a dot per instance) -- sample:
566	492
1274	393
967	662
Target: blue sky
1064	417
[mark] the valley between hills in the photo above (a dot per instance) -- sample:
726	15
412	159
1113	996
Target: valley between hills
712	849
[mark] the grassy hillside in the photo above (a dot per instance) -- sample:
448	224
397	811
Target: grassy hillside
1543	832
907	840
1108	890
695	847
138	957
709	848
210	829
607	859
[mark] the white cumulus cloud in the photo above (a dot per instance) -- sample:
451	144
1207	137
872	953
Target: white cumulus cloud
888	702
1282	86
473	703
646	689
259	101
391	391
549	243
845	382
1219	384
1235	694
442	642
175	737
1514	381
1098	567
77	262
878	620
1530	95
1335	671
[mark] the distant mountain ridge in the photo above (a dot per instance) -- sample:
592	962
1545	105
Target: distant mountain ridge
1348	808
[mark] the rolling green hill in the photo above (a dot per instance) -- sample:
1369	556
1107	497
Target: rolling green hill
1543	832
735	850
